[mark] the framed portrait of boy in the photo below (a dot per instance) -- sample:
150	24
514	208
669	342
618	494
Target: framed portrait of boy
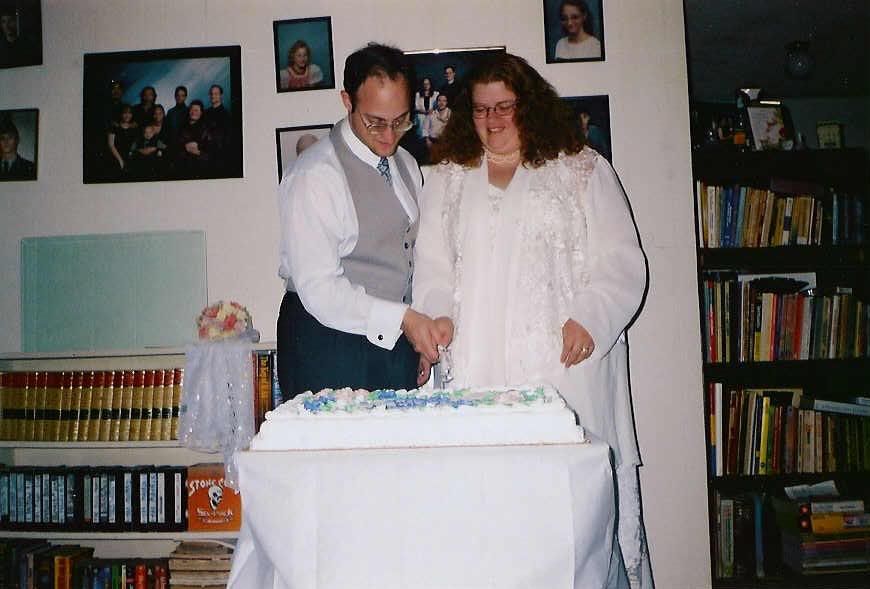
592	117
19	135
292	141
165	114
574	30
20	33
439	80
303	54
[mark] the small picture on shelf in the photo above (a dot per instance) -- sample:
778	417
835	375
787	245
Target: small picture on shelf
18	141
303	54
292	141
771	128
830	134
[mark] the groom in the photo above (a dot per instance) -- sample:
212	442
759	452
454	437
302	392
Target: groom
349	216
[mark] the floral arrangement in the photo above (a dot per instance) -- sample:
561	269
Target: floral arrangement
223	319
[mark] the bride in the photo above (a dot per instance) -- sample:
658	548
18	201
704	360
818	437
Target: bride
527	251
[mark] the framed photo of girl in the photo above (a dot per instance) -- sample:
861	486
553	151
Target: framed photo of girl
164	114
303	54
292	141
574	30
19	133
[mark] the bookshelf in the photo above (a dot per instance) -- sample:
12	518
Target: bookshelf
831	246
94	453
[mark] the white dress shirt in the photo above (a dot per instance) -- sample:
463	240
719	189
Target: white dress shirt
319	227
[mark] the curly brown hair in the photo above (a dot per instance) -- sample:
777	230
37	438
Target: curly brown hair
546	124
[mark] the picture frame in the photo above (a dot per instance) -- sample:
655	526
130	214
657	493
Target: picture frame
123	96
592	117
573	30
19	143
303	54
290	142
771	126
829	134
445	69
20	33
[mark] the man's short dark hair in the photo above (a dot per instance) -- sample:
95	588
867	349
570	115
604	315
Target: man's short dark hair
7	127
450	67
376	60
218	86
177	88
142	92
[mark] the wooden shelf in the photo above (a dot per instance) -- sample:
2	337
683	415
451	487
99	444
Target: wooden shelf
838	377
845	168
847	482
89	445
793	258
125	536
856	580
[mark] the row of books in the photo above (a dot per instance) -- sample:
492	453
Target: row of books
783	431
267	391
38	564
823	536
774	318
745	216
759	535
84	405
192	498
96	499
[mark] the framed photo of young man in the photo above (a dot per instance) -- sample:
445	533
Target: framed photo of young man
592	116
167	114
439	79
19	135
20	33
292	141
303	54
574	30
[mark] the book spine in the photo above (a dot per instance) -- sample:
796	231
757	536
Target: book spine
106	422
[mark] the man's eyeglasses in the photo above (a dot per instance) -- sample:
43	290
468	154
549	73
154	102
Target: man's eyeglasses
501	109
399	125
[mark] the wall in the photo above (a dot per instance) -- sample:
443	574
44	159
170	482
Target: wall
645	76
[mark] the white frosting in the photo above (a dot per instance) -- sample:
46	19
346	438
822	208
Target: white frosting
360	419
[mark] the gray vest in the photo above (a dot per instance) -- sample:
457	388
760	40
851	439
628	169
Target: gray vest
382	261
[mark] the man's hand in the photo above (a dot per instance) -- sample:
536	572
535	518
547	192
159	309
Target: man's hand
424	367
444	326
423	334
577	344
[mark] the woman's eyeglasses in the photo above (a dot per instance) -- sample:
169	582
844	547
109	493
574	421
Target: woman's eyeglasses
501	109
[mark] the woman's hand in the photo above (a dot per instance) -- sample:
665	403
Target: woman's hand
577	344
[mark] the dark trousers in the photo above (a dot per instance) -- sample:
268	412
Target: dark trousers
312	357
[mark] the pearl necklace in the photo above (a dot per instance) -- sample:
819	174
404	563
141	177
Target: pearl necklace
512	157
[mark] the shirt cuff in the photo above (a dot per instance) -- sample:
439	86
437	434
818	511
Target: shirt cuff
384	324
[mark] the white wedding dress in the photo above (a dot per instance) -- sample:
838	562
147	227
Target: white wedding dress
509	267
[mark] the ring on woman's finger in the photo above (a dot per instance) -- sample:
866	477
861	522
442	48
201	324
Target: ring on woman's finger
584	350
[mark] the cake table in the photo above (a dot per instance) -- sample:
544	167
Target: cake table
532	516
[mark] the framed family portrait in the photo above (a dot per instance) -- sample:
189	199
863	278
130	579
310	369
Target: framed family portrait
439	78
292	141
20	33
574	30
166	114
592	117
19	135
303	54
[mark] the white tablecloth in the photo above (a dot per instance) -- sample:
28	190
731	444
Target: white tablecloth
446	518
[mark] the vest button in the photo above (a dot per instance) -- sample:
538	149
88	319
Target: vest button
404	299
380	337
406	245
